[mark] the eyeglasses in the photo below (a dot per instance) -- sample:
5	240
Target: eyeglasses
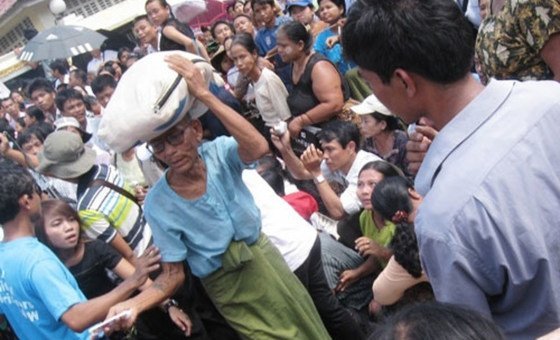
174	138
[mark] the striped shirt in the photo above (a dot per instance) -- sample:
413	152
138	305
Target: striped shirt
104	212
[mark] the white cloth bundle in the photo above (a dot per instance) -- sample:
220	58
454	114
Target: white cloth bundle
149	99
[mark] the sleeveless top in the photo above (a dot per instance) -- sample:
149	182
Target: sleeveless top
302	99
166	44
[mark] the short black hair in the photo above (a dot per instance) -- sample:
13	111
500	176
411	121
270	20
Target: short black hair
140	18
436	320
40	84
7	128
338	3
16	182
296	32
101	82
35	112
431	38
220	22
80	74
33	131
63	96
59	65
341	131
262	3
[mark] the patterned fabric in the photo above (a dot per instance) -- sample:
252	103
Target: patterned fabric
105	212
397	156
509	43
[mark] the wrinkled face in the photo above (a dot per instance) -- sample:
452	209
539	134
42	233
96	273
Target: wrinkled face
145	32
33	146
222	31
336	157
157	13
243	59
371	127
243	25
104	96
179	146
43	100
10	107
303	15
367	181
75	108
329	12
265	13
287	49
63	232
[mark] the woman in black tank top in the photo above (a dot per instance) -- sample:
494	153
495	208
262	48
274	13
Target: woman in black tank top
318	93
175	35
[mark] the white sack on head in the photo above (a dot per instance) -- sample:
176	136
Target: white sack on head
132	115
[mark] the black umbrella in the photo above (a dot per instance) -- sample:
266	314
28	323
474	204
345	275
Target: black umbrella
61	42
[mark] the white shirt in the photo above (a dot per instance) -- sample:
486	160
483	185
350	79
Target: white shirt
271	98
285	228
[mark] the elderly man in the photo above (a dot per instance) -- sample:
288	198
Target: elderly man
488	227
202	213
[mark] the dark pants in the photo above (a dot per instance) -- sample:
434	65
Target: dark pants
337	320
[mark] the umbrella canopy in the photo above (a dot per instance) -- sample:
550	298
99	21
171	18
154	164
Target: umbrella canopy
61	42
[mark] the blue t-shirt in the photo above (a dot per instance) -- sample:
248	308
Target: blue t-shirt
36	289
334	54
200	230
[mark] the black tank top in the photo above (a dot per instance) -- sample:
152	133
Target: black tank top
302	99
166	44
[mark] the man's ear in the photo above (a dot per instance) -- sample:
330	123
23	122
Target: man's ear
25	202
199	130
406	80
352	146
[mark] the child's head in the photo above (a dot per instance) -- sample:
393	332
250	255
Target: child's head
59	226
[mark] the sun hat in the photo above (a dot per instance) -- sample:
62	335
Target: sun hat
370	105
64	122
65	156
300	3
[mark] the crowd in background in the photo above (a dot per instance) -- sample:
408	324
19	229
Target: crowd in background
334	186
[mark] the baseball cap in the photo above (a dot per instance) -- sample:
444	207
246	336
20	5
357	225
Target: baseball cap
63	122
300	3
370	105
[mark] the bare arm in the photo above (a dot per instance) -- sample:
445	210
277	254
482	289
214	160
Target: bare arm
123	248
551	54
192	46
17	156
311	159
327	88
168	281
82	315
251	144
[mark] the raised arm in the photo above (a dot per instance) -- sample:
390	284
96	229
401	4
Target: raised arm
251	144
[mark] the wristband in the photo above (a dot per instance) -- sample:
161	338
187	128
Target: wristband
170	303
319	179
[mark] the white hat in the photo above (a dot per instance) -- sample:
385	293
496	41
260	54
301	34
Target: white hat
64	122
370	105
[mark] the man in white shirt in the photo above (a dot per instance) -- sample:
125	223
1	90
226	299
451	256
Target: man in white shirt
339	160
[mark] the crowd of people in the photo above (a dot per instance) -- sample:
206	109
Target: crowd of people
362	170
